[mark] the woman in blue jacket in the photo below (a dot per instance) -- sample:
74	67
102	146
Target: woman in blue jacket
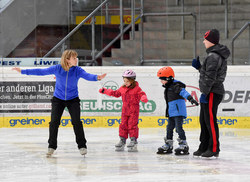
175	95
66	95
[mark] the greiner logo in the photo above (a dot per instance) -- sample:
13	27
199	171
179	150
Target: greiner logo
111	122
86	121
230	121
163	121
27	121
220	121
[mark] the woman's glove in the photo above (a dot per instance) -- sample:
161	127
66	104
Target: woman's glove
144	99
196	63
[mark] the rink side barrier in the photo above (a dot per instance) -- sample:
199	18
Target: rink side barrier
25	101
108	122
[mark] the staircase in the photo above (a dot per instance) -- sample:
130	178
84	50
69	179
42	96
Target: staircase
163	39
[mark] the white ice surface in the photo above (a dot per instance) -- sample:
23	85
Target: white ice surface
22	157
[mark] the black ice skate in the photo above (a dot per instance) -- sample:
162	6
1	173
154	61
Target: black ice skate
197	153
167	148
183	148
209	154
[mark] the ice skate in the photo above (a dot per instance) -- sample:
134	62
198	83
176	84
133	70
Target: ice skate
183	148
121	144
50	152
132	146
197	153
209	154
167	148
83	151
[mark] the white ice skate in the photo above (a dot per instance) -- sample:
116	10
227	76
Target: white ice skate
132	146
50	152
83	151
121	144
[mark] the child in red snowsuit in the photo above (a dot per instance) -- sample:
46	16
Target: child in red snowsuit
131	95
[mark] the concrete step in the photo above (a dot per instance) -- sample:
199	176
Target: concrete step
157	44
189	25
167	62
135	59
174	44
162	62
177	35
195	2
154	53
119	61
148	3
203	17
195	9
173	49
199	9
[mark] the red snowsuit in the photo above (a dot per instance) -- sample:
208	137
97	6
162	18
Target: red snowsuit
130	108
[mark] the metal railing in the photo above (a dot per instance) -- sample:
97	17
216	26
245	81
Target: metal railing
141	16
92	15
77	27
122	29
226	18
236	36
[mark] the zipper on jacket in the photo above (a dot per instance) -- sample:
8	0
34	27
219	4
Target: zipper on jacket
177	107
66	85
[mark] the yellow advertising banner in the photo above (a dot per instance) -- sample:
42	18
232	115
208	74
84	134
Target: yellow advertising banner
126	19
99	20
114	121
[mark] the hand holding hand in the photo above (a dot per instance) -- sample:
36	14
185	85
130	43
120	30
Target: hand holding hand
196	63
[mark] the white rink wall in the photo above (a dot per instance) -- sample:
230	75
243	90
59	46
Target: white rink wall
23	95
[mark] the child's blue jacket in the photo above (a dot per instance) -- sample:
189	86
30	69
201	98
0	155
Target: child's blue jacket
175	95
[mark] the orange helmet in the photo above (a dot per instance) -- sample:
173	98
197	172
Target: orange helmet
166	73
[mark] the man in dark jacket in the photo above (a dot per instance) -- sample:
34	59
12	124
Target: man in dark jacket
212	75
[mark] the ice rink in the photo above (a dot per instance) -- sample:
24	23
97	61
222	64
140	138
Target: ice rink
23	157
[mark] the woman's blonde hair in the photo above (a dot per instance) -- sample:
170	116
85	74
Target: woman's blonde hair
67	54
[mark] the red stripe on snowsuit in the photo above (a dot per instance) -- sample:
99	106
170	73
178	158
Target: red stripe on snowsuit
211	119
